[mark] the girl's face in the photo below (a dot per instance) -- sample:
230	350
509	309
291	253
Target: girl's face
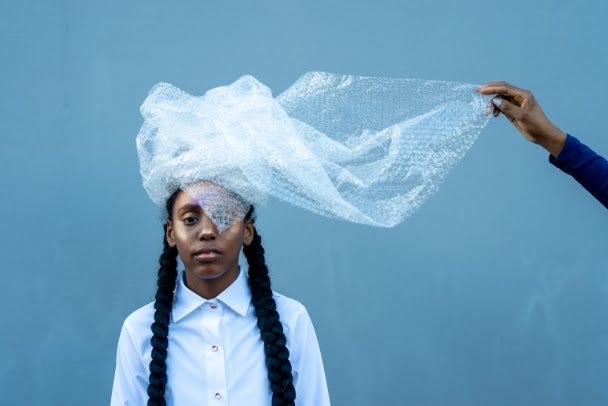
210	257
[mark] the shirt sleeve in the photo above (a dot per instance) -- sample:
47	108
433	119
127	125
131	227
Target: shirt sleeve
131	376
305	356
586	166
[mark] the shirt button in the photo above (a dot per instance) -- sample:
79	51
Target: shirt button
213	305
214	348
218	395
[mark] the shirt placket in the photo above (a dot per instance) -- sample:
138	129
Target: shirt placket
213	354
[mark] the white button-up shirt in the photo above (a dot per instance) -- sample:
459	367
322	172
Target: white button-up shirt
216	355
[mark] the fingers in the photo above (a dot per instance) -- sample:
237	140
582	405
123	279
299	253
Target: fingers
497	88
516	98
495	104
519	95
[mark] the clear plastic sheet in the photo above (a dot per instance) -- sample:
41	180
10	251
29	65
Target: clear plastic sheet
223	207
366	150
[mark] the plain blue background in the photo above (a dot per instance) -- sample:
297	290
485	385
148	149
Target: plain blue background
494	293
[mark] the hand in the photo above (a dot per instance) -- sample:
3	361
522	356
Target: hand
521	108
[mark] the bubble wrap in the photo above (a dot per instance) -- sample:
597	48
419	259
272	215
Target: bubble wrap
223	207
366	150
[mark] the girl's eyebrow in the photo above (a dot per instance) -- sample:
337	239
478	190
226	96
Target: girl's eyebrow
189	207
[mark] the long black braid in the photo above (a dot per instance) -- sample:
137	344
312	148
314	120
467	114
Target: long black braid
167	276
271	329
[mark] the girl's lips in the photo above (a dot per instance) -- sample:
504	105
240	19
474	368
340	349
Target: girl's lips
206	254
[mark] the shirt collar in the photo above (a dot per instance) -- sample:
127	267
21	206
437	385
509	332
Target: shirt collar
237	297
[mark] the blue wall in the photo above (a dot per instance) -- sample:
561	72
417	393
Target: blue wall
495	292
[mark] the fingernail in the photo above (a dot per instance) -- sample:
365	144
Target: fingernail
497	101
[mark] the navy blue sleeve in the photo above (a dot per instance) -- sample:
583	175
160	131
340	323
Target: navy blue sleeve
587	167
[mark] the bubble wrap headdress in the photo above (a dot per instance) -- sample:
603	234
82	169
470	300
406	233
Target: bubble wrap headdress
362	149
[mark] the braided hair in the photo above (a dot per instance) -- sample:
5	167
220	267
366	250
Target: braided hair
269	324
271	329
167	276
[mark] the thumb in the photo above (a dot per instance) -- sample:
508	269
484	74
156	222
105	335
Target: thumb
507	108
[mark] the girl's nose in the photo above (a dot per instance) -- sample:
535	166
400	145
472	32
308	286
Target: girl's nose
207	230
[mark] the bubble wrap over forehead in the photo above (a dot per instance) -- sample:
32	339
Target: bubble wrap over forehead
223	207
366	150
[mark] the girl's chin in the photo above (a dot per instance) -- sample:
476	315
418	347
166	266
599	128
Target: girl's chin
211	274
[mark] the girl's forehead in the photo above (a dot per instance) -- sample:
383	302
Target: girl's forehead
204	190
208	191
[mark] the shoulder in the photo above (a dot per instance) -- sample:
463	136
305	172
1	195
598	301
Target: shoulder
293	314
133	350
137	325
288	306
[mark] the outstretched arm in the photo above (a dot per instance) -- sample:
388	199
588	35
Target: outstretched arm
567	153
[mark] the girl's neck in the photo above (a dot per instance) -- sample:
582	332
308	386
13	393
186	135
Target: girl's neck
210	288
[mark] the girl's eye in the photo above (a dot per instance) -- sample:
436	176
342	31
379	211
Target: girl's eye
190	220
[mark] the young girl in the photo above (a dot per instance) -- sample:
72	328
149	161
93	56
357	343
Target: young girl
222	338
